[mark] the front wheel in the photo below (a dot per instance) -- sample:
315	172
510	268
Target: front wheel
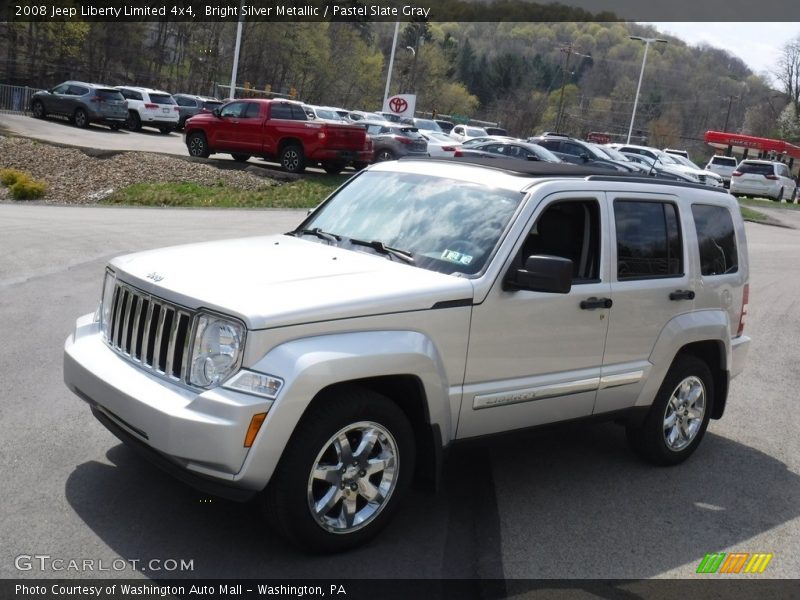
38	110
383	155
134	123
679	415
343	473
292	159
241	157
779	196
197	145
165	130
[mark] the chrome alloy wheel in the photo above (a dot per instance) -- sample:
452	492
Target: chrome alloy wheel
684	414
197	145
353	477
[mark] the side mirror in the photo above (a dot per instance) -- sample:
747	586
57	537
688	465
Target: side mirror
532	157
551	274
216	112
584	157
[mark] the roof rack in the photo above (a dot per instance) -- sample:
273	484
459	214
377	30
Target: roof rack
541	169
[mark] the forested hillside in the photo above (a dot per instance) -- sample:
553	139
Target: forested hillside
512	73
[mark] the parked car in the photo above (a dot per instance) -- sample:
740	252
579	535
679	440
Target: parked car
395	140
424	303
189	105
724	166
446	126
150	108
426	125
440	144
462	133
82	103
655	168
677	152
389	116
763	178
487	138
323	113
360	115
509	149
579	152
668	161
496	131
277	130
705	176
621	158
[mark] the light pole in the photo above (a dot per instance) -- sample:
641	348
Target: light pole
236	49
391	64
647	42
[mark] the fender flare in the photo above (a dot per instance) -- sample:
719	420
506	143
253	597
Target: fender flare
684	329
309	365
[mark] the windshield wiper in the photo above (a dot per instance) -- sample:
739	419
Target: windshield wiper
323	235
381	248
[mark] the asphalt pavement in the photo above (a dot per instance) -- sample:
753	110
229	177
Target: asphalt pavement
570	502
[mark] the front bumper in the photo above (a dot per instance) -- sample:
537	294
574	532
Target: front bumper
199	435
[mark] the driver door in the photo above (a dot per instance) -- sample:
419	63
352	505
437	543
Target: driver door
536	357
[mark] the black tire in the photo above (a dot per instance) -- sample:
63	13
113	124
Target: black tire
384	154
360	166
292	159
287	500
241	157
38	109
333	167
780	196
165	130
650	440
197	145
115	126
80	118
134	123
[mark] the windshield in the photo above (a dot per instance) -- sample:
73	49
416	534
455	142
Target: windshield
427	124
324	113
615	154
447	225
475	132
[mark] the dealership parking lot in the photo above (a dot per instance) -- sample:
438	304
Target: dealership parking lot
566	503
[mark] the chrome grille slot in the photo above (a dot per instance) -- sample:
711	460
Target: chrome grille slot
150	332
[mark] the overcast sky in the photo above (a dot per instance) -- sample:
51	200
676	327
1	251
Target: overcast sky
757	44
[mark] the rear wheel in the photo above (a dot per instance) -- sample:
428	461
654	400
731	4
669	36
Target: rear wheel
134	123
165	130
241	157
333	167
679	415
197	145
358	166
384	154
779	196
343	473
80	118
292	159
114	126
38	109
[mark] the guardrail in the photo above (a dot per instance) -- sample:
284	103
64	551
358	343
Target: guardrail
16	98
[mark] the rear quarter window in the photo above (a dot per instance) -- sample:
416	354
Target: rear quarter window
716	240
649	243
161	99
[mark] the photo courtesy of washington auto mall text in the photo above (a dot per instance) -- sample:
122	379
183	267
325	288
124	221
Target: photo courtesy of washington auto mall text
399	299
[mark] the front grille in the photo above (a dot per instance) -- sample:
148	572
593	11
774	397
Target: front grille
150	332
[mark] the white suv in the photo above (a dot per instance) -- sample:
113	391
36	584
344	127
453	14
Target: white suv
425	302
763	178
151	108
724	166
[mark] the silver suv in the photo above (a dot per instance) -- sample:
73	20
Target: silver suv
425	302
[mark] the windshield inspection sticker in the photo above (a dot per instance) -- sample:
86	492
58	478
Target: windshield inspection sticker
456	257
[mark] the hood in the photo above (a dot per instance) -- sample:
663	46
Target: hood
280	280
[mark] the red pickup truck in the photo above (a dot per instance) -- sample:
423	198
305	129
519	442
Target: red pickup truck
277	130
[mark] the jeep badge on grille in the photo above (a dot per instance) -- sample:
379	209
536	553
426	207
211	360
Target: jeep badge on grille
155	276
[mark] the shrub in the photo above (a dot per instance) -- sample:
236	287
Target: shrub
11	176
28	189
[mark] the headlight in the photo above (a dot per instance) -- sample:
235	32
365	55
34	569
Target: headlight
107	301
216	350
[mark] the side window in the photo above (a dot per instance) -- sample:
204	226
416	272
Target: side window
253	110
649	240
550	144
573	149
184	101
280	111
569	229
458	130
298	114
715	239
61	89
77	90
234	109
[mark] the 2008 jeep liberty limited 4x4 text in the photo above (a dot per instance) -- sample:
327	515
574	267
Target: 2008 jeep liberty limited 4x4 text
424	302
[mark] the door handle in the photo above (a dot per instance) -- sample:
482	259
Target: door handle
682	295
592	303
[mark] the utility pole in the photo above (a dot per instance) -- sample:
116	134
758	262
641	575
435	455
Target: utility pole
647	42
569	50
728	115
